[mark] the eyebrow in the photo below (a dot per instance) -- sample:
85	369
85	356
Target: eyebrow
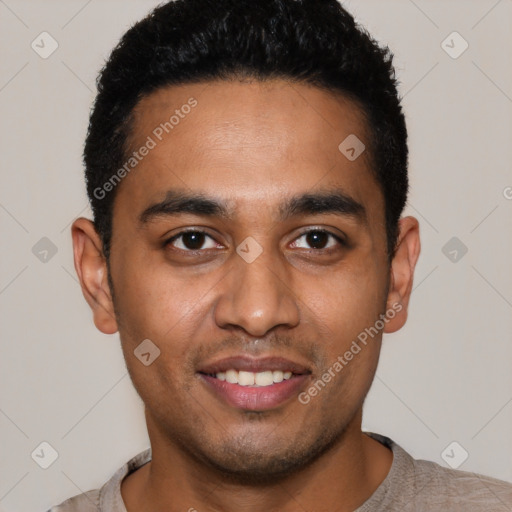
323	202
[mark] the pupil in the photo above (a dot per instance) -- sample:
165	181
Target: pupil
317	239
193	240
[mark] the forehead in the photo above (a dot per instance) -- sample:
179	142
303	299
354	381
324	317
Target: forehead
251	142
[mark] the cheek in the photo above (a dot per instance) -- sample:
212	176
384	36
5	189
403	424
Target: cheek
344	309
344	304
161	304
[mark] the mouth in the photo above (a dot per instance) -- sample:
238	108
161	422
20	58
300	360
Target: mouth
259	379
254	384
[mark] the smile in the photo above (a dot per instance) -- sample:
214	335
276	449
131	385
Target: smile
256	379
254	384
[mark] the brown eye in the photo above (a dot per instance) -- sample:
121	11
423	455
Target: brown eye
192	241
317	239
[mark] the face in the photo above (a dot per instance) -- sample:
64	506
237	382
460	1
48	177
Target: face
252	252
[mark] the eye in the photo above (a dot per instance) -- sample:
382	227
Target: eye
192	241
318	239
196	240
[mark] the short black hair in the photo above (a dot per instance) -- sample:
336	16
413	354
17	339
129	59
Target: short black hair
190	41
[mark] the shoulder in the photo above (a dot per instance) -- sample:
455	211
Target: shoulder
108	498
437	485
85	502
424	486
427	486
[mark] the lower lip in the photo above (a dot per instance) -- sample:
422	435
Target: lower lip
253	398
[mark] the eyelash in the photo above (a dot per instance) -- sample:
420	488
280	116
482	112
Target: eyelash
340	240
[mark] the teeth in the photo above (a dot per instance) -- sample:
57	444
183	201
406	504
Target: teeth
246	378
277	376
260	379
232	376
263	379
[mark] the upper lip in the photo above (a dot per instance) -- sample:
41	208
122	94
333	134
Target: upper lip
256	365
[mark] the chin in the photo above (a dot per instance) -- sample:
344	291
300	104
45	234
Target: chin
243	462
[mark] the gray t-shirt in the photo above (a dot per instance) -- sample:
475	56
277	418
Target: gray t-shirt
411	485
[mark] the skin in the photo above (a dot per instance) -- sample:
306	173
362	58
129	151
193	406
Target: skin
252	145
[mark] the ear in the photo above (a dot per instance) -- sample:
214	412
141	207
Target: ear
402	273
91	268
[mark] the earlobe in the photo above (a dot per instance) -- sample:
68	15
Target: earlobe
91	268
402	273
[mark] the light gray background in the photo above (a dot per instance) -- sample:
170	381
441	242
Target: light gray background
445	377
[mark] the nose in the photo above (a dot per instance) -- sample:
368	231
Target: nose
256	297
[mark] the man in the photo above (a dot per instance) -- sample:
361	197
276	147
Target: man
247	167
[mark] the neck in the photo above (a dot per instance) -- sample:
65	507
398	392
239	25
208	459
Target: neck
341	479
